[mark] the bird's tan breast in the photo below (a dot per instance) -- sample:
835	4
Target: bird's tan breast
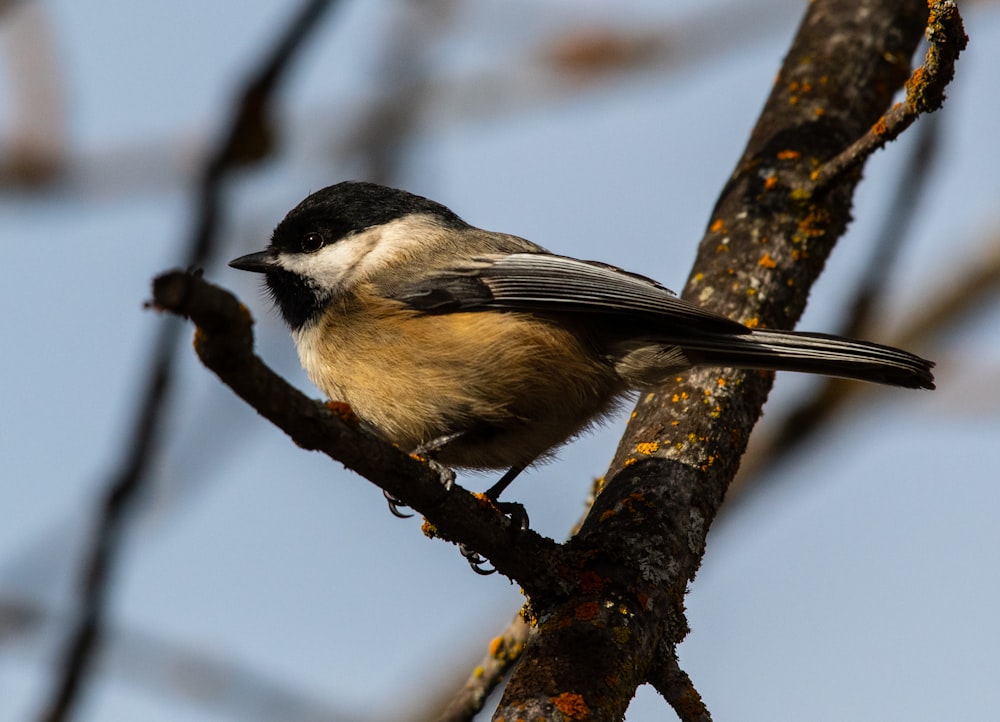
418	377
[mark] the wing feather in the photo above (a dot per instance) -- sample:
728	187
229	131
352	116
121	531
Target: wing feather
546	283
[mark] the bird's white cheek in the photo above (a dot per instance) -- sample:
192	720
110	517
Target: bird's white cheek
332	266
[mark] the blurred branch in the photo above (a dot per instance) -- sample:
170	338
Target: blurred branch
895	228
565	64
169	670
36	151
248	138
966	292
378	137
942	307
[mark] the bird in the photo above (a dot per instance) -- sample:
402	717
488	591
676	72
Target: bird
489	352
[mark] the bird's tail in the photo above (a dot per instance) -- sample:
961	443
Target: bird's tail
812	353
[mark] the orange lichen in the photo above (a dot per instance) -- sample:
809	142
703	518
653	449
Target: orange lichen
880	126
647	447
770	182
572	705
496	645
815	223
789	155
753	322
766	261
342	411
720	381
718	226
916	84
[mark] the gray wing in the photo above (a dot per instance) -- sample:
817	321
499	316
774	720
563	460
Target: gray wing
547	283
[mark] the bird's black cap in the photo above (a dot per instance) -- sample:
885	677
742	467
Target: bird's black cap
352	206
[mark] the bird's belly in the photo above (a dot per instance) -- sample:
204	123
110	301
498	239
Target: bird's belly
512	386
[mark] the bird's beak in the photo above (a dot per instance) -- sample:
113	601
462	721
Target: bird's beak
260	262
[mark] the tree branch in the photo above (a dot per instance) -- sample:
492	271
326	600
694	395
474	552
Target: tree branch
677	688
224	343
810	416
765	245
609	601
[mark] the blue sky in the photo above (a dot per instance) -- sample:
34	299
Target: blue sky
861	584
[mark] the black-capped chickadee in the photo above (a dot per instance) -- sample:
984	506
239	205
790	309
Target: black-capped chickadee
485	347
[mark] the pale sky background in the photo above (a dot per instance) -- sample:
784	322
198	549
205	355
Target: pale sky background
862	584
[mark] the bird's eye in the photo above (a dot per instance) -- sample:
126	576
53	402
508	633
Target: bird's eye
311	242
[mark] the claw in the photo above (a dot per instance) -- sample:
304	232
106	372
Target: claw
518	519
476	560
394	505
446	474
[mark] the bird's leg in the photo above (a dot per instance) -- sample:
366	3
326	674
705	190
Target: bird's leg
497	489
515	511
512	509
446	474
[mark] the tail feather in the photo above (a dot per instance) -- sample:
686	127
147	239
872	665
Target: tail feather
812	353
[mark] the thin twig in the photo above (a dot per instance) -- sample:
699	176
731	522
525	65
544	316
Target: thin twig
502	653
924	94
677	688
224	343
